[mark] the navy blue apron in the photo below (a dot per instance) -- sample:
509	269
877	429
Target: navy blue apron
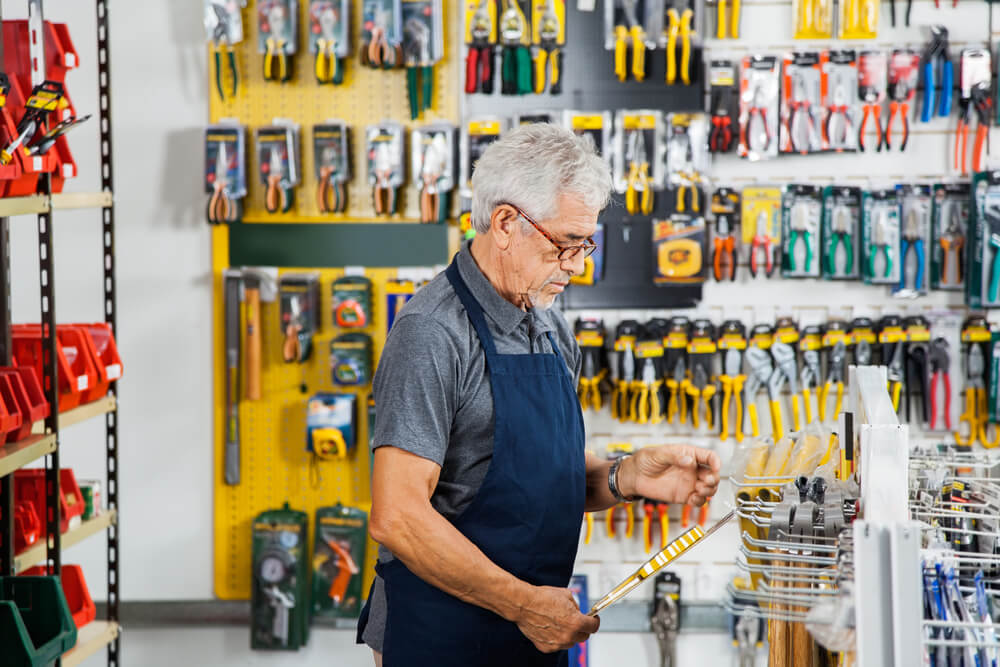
526	516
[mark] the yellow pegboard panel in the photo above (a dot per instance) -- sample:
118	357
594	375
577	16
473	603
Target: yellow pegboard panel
366	96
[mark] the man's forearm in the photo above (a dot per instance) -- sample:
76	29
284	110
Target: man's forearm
434	550
599	495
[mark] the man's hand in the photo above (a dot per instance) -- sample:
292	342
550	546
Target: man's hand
671	473
551	619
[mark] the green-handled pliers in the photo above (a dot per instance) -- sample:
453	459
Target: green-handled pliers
419	70
221	45
841	227
881	239
994	292
799	228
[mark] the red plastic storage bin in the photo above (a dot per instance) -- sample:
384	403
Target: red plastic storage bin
74	586
29	486
77	373
28	395
106	350
10	413
27	526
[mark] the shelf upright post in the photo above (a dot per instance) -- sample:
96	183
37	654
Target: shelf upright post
7	481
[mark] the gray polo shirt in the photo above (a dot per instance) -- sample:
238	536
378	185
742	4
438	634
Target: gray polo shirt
432	389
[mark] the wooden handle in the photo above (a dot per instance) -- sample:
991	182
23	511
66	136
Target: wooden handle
253	343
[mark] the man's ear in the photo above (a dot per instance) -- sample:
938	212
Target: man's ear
504	223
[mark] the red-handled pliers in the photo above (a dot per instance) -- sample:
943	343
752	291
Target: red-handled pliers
940	362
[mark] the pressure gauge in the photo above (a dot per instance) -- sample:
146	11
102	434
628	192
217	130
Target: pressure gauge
274	566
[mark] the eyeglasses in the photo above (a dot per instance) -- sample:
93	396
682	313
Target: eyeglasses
566	252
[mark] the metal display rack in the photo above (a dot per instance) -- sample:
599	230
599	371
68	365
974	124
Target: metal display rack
45	439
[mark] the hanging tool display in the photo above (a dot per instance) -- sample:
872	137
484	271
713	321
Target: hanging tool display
298	296
687	158
723	106
432	153
732	342
725	210
515	56
949	228
331	156
381	44
384	150
338	555
423	48
278	160
480	41
549	36
937	90
872	82
590	338
761	224
224	29
881	232
680	34
975	103
277	37
760	85
915	201
225	172
639	158
802	209
904	69
813	19
701	386
232	283
625	32
329	39
839	99
841	231
858	19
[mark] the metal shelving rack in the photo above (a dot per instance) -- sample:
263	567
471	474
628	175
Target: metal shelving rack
44	441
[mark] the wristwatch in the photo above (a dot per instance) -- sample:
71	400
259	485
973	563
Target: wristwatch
613	481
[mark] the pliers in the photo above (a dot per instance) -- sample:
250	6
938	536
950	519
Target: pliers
918	379
479	61
895	375
589	390
979	104
220	46
732	380
277	198
329	69
799	229
759	362
784	363
623	384
650	508
725	244
645	407
870	96
900	93
625	31
419	70
912	239
515	59
880	239
801	128
609	520
841	227
836	365
952	241
940	362
721	138
976	414
548	56
377	52
746	134
679	27
384	193
639	192
762	241
676	401
330	197
992	215
221	207
276	65
432	170
810	379
838	113
700	388
935	55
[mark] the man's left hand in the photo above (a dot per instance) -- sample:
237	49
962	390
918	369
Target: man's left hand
671	473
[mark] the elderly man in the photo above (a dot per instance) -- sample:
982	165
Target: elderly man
481	477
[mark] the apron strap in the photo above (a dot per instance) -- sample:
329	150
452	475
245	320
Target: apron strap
555	348
472	308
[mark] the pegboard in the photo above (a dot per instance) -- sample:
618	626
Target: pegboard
366	96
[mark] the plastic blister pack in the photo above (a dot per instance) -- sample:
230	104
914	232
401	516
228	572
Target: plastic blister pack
760	85
841	232
802	211
949	230
880	237
915	237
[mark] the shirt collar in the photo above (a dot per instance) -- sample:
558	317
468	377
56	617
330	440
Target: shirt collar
504	314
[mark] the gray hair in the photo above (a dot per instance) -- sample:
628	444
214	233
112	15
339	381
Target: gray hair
531	166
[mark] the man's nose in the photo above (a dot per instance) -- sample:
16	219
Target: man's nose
575	264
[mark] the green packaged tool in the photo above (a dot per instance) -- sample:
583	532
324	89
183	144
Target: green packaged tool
279	602
880	237
915	237
841	232
801	212
949	229
351	359
983	282
338	561
352	302
331	425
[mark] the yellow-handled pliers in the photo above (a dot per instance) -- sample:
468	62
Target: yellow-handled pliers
646	400
676	403
895	375
630	30
759	362
679	28
975	398
784	360
834	379
623	385
810	379
328	66
700	388
732	381
639	192
609	520
589	390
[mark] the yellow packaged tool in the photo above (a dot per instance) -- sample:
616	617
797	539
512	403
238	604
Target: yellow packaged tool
761	227
548	30
813	19
480	40
678	250
858	19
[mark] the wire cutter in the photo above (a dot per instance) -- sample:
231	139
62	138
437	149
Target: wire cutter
917	380
880	239
836	365
221	208
479	61
952	241
277	198
748	138
276	65
330	196
676	385
432	170
809	376
220	47
784	361
762	241
548	52
838	129
895	375
732	380
725	244
650	508
801	129
912	239
870	96
639	192
799	229
623	384
900	93
841	226
384	193
589	390
721	138
936	55
630	30
645	407
419	71
700	388
759	362
377	51
679	27
328	65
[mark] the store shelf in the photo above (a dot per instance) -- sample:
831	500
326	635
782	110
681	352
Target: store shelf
33	204
90	639
23	205
15	455
89	528
67	200
101	406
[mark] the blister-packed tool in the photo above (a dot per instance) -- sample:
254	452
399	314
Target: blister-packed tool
351	301
813	19
949	229
423	48
904	71
881	234
298	296
224	30
646	403
915	237
623	368
225	172
841	232
331	157
630	28
477	134
277	37
975	104
732	343
548	33
802	210
678	249
515	54
590	335
688	159
983	282
279	165
724	109
810	374
759	369
841	107
329	39
835	341
596	126
917	378
939	76
45	98
480	44
858	19
385	167
433	152
725	210
639	166
700	388
872	82
683	55
760	84
675	341
761	227
381	44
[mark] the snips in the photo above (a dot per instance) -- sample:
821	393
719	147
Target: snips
732	380
809	376
761	369
639	192
434	163
835	367
548	56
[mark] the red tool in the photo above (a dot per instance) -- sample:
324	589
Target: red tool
871	90
762	241
800	126
940	361
745	128
346	568
980	104
721	138
723	259
903	71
